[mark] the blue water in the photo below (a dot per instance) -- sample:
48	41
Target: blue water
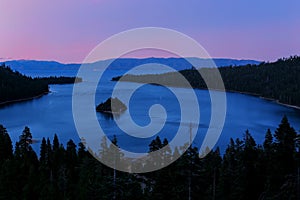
52	114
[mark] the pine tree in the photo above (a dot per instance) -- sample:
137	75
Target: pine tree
285	137
71	153
27	162
6	148
166	152
7	168
43	152
155	144
268	143
156	158
284	162
55	143
81	151
71	166
25	141
228	170
249	171
49	155
103	149
268	163
116	157
176	153
46	186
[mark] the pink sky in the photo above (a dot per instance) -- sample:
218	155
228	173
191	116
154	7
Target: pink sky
67	30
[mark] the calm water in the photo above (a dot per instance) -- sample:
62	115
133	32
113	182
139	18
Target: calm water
52	113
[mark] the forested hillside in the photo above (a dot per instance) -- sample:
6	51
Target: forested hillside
246	171
15	86
279	80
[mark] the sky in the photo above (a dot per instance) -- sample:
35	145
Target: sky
67	30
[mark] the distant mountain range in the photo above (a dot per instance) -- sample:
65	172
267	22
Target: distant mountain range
124	63
36	64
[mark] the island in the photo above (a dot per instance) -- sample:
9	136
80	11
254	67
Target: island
111	105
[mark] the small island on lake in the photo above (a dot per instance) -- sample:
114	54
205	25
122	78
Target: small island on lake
111	105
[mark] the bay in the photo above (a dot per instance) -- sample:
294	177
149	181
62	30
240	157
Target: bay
52	113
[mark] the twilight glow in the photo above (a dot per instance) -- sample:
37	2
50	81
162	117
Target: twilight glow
67	30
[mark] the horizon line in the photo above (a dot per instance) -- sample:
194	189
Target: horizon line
3	60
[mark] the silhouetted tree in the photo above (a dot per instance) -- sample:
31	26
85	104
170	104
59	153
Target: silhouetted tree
6	148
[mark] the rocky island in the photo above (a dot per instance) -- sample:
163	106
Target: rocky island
111	105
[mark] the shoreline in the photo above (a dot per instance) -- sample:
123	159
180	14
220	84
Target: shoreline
238	92
287	105
31	98
266	98
23	99
258	96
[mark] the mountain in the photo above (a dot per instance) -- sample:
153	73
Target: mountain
35	68
49	68
176	63
37	64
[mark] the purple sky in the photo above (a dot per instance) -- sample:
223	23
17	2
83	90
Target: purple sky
67	30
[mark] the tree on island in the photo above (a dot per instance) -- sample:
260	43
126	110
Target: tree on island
111	105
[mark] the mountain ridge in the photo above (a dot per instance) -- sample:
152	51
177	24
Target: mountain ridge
177	63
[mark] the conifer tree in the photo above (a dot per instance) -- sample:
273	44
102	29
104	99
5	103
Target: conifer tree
6	148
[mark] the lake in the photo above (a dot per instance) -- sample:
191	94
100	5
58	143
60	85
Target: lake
52	113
